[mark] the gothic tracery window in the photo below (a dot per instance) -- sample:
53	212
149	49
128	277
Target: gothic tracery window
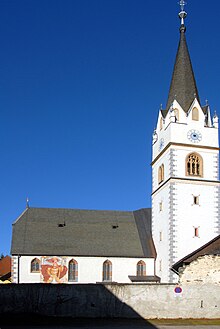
35	265
141	268
194	165
73	271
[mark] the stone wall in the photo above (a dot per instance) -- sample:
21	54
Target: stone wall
146	301
205	270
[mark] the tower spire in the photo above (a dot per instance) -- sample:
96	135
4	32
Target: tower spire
183	84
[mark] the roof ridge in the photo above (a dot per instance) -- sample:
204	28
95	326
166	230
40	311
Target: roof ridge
78	209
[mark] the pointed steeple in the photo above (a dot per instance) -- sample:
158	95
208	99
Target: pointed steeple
183	85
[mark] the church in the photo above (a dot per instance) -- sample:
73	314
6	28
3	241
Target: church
87	246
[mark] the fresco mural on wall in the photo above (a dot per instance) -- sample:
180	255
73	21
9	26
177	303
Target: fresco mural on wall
53	269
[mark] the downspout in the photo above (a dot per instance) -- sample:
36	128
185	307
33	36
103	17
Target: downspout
19	269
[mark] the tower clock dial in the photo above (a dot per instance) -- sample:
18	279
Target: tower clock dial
161	144
155	137
194	136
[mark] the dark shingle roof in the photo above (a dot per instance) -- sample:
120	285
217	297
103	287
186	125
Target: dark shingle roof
51	231
183	85
210	248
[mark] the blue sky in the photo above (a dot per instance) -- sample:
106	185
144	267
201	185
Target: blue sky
81	83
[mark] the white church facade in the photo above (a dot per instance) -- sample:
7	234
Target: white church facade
52	245
89	246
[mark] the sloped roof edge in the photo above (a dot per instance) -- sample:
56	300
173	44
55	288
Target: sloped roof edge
203	250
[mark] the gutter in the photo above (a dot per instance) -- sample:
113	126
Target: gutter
173	269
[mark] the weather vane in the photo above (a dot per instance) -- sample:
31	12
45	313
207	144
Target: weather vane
182	14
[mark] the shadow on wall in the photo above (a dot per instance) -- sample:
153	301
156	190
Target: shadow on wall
64	304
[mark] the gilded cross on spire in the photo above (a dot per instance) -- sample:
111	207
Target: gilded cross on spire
182	14
182	3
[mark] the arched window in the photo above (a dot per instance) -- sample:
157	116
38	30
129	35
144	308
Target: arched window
35	265
195	114
141	268
107	271
176	112
161	174
194	165
161	123
73	271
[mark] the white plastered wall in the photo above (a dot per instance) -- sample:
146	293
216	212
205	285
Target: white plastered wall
177	221
189	216
160	231
89	269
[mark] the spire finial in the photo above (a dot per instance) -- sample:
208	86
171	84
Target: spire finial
182	3
182	14
27	203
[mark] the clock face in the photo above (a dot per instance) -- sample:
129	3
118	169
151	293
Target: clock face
161	144
155	137
194	136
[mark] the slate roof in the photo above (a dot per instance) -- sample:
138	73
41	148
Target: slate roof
183	84
74	232
210	248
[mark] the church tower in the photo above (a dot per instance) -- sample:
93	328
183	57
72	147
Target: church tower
185	164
